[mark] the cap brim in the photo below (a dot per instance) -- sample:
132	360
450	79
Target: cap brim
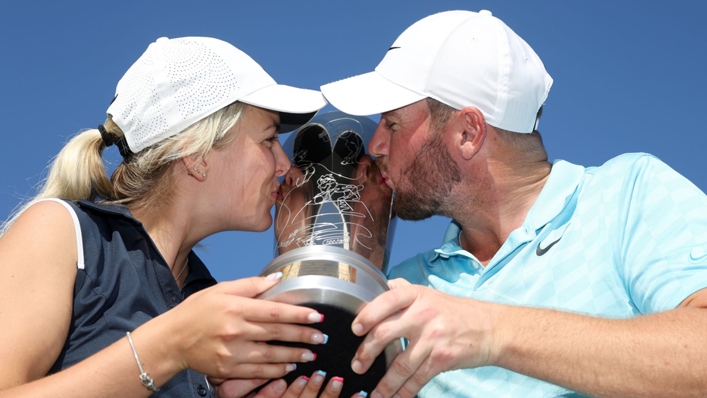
296	105
368	94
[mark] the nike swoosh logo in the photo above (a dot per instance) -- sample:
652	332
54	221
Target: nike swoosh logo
393	48
540	251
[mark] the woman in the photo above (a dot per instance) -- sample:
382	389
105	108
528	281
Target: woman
101	294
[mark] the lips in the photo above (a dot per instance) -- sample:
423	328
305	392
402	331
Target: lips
386	180
277	194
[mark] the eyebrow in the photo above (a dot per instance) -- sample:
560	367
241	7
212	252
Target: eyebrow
388	114
275	125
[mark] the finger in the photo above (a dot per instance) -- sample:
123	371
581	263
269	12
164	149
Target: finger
258	371
376	341
333	388
402	370
314	385
414	384
287	332
260	353
235	388
275	389
271	311
382	307
296	387
250	287
397	283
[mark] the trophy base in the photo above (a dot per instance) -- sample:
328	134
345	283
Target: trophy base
338	283
336	355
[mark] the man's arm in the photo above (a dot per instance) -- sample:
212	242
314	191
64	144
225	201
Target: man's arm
654	355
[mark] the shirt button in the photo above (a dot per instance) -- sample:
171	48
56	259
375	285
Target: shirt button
201	390
175	299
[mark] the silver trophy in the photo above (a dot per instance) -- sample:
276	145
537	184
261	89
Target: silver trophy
333	232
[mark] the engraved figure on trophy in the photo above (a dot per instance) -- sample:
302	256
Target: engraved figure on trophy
333	232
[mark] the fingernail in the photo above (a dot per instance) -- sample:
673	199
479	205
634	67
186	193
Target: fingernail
309	356
279	386
318	377
290	367
302	381
362	394
315	317
320	338
357	367
336	383
376	394
274	276
357	329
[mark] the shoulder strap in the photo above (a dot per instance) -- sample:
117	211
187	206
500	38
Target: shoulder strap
77	228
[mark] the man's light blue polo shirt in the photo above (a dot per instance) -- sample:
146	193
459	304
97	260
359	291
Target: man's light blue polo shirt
615	241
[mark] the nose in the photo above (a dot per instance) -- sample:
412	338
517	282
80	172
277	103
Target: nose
379	144
282	162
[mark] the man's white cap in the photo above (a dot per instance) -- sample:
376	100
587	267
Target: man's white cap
460	58
178	82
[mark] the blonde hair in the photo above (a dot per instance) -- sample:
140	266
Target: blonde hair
142	179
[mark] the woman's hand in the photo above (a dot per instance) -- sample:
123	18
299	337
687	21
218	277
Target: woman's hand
302	387
221	332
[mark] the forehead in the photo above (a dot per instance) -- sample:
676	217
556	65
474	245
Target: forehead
416	110
255	121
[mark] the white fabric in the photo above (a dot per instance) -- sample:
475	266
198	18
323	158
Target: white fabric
77	228
460	58
178	82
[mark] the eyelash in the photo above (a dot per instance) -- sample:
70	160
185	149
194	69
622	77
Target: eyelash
273	140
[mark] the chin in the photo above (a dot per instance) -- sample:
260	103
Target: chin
264	225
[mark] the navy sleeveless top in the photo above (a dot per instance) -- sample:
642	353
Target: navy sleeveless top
125	282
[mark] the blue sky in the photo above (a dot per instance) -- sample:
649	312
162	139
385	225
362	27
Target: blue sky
629	77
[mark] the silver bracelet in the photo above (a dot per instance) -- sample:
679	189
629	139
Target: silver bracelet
145	378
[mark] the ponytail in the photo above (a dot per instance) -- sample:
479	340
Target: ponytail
76	173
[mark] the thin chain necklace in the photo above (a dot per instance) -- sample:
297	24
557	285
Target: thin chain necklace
186	263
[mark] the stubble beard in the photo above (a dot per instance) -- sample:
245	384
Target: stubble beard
427	183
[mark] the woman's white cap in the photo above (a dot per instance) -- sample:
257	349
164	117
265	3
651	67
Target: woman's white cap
460	58
178	82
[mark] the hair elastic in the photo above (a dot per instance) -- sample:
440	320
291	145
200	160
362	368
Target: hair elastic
110	139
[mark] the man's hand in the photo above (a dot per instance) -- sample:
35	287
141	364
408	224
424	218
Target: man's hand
444	333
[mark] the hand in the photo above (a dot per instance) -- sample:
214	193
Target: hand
302	387
221	331
444	333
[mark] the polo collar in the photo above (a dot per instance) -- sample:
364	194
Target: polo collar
564	179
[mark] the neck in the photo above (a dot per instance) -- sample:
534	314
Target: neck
169	229
503	196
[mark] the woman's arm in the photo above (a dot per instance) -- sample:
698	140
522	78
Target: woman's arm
37	274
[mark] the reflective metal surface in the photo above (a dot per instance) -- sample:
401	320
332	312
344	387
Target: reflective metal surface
334	195
333	232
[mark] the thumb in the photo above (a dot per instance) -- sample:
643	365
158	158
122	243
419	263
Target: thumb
251	287
236	388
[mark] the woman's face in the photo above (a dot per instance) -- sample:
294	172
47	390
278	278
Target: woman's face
245	171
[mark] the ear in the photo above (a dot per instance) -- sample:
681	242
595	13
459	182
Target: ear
196	166
362	170
470	131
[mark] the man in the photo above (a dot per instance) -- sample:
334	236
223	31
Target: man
553	279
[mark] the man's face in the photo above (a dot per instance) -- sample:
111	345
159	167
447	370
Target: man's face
415	162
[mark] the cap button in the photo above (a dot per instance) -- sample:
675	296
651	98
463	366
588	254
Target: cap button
485	12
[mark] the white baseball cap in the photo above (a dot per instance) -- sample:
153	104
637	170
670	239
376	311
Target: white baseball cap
178	82
460	58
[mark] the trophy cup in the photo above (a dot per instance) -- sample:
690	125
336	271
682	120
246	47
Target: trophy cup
333	232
